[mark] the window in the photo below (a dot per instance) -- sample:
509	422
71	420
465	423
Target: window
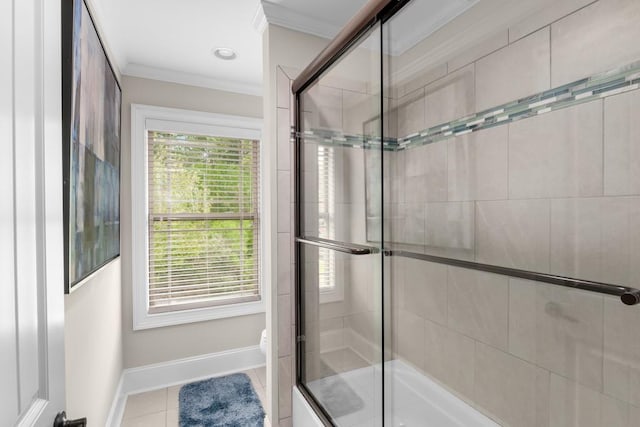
196	216
330	289
203	220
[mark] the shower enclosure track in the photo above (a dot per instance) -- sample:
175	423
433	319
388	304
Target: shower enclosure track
628	295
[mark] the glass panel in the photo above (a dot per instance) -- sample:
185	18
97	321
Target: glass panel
342	311
341	362
513	142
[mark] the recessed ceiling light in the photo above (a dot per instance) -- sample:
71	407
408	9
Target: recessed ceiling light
224	53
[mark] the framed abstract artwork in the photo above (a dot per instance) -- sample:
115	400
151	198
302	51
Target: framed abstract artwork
91	97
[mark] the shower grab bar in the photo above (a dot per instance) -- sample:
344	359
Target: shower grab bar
348	248
629	296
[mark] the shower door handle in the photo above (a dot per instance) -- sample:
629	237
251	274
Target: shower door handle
348	248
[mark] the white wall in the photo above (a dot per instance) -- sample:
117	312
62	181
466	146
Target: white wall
93	345
176	342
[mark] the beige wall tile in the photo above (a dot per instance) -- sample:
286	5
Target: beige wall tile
622	144
284	325
634	414
284	147
513	233
516	71
522	319
422	79
483	48
450	225
557	154
424	289
479	305
576	238
477	165
621	351
411	113
451	97
505	386
614	412
598	38
325	106
413	215
362	284
283	88
284	202
364	334
542	397
284	258
572	404
595	238
285	384
396	175
332	334
450	358
558	329
426	173
359	109
550	12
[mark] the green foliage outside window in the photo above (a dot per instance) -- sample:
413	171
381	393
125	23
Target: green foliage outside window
203	218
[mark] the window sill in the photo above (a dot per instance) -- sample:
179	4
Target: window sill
333	295
143	321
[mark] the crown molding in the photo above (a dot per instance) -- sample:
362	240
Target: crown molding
284	17
146	72
259	21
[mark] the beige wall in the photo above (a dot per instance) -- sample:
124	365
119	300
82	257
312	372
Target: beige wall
93	332
93	345
176	342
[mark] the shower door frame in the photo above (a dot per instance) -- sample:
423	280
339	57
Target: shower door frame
375	12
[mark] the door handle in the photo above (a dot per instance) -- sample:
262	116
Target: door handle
62	421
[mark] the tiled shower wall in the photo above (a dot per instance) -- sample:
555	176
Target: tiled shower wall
558	193
333	327
285	256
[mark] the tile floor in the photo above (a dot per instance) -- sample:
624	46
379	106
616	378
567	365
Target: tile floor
159	408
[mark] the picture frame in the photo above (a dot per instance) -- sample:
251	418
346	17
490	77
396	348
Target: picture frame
91	135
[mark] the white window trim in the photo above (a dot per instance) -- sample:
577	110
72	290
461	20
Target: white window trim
142	118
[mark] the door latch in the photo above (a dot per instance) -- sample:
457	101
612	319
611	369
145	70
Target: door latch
62	421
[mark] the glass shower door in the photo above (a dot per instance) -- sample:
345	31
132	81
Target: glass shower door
513	213
339	155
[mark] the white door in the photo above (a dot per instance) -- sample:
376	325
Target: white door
31	262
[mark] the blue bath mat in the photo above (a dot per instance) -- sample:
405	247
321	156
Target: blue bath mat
227	401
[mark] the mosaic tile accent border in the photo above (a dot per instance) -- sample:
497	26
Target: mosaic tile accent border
603	85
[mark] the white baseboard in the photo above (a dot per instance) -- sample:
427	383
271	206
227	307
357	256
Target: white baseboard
166	374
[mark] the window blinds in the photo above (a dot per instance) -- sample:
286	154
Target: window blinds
326	216
203	221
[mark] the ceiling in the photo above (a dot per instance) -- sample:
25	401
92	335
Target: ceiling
172	40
